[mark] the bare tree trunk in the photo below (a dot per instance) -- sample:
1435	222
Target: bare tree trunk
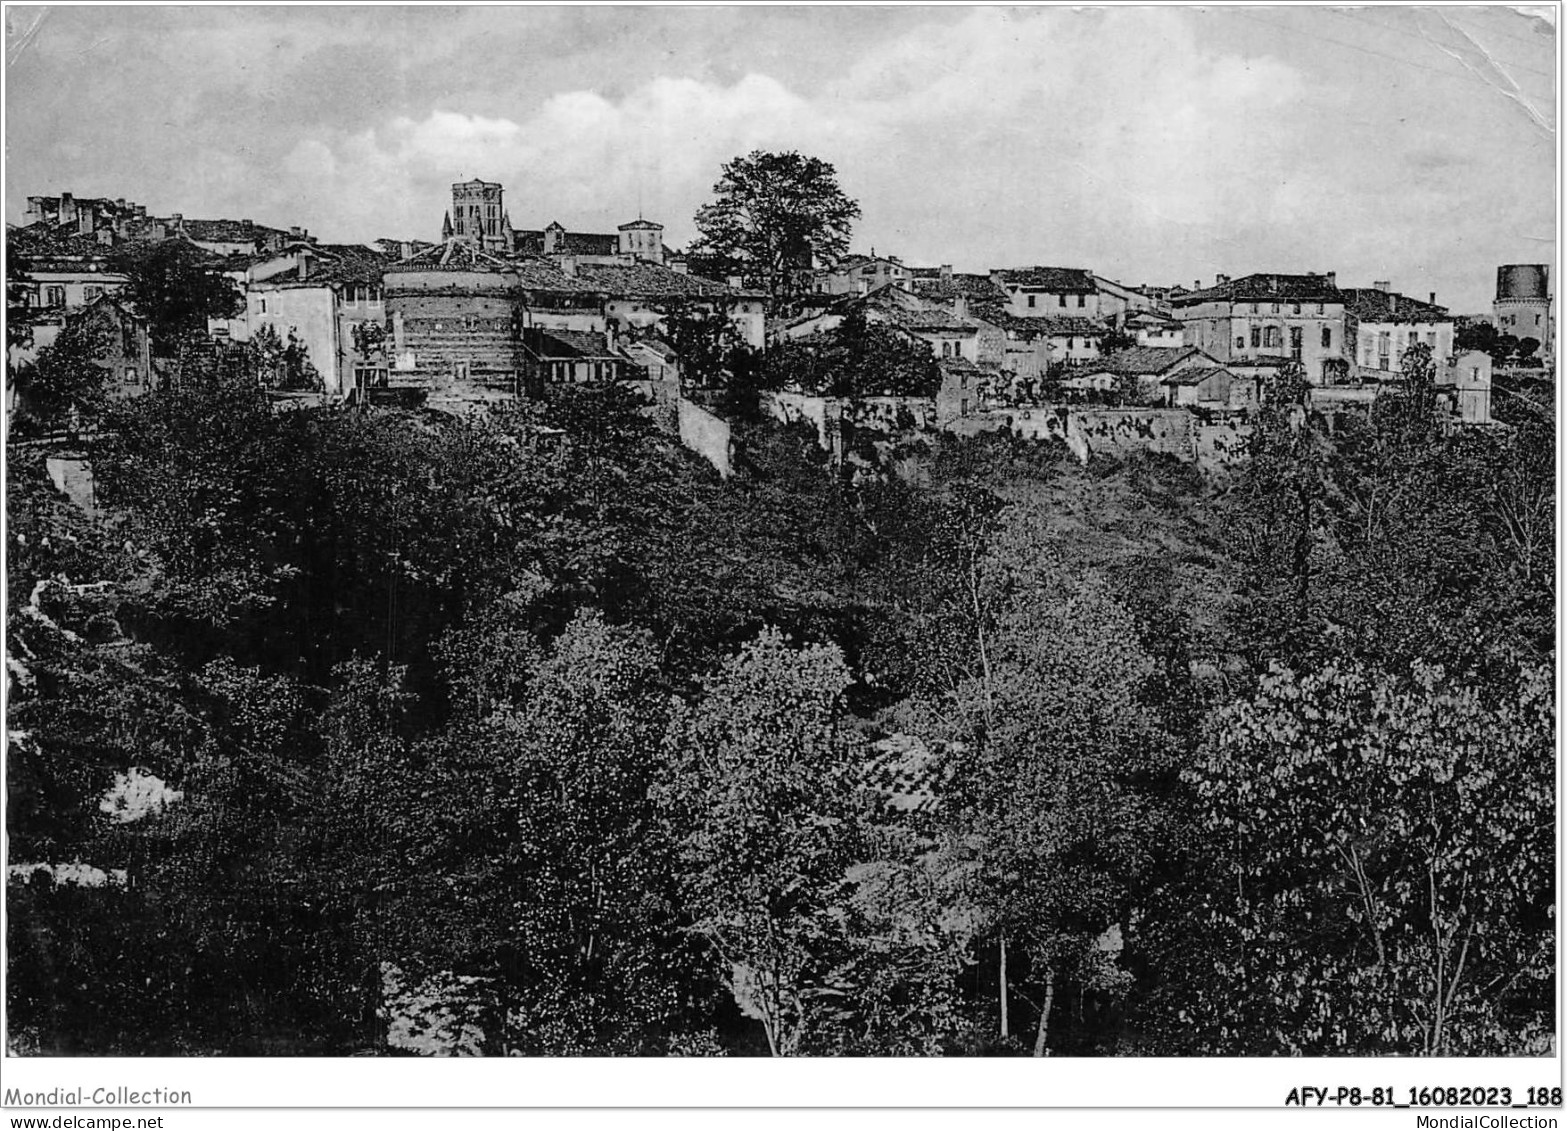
1004	1030
1042	1036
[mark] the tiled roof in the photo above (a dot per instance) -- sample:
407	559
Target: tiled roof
542	275
1196	375
359	265
228	231
1152	316
1086	327
1062	280
647	279
934	319
1373	305
531	242
453	255
1266	288
1260	361
1147	360
964	286
45	241
573	343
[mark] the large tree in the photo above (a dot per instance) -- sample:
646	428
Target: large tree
175	285
773	212
1379	872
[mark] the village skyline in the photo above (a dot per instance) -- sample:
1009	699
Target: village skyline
1412	144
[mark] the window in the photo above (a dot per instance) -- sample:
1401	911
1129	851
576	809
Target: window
1254	307
91	292
1031	302
262	306
1296	341
1256	337
130	376
1327	337
54	296
1320	309
1082	301
1240	342
1275	308
1270	337
1297	308
1063	300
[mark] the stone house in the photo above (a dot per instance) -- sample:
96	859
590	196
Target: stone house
458	314
1148	367
571	357
1465	383
319	294
1383	324
1198	386
1155	329
860	274
1301	317
65	271
1051	292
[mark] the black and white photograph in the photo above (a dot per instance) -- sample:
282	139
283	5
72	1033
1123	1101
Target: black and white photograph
732	532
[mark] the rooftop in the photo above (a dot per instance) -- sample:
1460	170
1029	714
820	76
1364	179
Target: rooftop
1375	305
1060	280
1149	360
1196	375
650	280
1266	288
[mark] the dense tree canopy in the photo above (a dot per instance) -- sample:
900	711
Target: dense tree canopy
775	214
177	288
525	733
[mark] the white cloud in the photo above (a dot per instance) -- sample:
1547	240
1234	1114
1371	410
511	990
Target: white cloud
1034	95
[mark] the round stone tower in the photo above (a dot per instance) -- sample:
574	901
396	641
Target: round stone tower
1523	306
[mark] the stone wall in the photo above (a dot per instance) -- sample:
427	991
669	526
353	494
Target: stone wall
1117	432
432	334
705	434
1221	442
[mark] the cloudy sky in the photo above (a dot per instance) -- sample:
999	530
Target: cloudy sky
1150	144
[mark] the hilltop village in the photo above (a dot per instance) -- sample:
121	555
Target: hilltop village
492	312
526	641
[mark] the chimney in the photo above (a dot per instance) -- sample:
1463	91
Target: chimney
568	264
67	208
296	233
1332	278
177	222
119	204
1392	303
84	221
946	272
1196	284
406	249
1219	280
1433	298
960	306
304	267
1382	285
